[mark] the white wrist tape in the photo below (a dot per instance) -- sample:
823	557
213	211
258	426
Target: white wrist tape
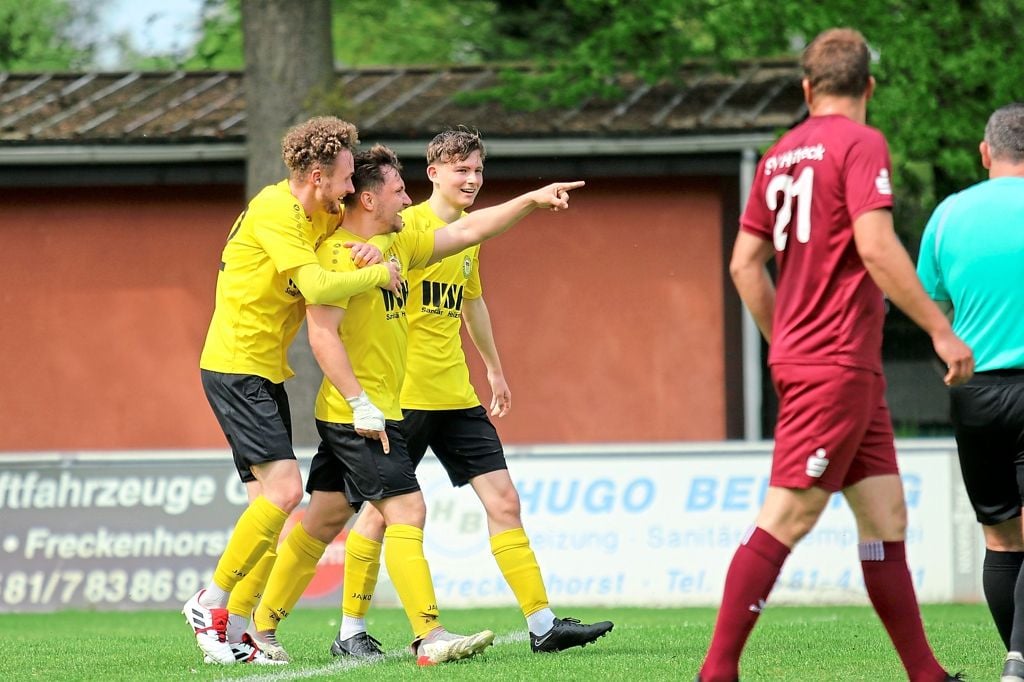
367	416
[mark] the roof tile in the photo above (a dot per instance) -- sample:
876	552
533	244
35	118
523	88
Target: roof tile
398	102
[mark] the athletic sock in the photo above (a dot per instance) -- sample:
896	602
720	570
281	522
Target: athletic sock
540	622
748	582
350	627
891	591
295	567
1000	575
1017	635
410	574
247	594
362	565
518	563
214	596
257	529
237	625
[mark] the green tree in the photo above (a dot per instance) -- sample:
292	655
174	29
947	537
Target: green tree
364	33
46	35
220	39
943	65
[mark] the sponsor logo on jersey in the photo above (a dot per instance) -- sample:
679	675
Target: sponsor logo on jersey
817	463
292	289
882	183
791	157
446	295
394	303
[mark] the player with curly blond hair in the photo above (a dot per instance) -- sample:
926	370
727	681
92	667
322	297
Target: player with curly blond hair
268	272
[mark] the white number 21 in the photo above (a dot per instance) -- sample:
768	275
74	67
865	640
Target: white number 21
802	188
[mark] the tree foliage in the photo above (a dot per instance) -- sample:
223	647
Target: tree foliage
943	65
46	35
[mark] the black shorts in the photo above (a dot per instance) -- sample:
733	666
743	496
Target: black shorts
253	413
357	466
465	441
988	422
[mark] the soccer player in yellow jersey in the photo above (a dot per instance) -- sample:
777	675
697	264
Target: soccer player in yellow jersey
360	344
268	269
441	410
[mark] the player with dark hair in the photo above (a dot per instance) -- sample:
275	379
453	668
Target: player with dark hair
268	270
972	264
441	410
820	204
360	344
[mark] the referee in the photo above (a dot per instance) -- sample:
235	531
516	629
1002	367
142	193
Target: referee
972	264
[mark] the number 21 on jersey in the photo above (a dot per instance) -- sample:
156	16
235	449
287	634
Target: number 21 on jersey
800	189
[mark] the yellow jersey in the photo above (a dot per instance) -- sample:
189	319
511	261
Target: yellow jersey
437	377
259	309
375	327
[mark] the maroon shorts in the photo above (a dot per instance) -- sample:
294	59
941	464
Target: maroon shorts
834	427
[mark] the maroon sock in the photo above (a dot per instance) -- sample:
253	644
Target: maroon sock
749	581
891	591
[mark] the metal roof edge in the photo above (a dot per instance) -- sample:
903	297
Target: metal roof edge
65	154
13	155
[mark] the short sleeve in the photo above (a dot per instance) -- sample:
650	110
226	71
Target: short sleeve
928	270
474	289
867	174
283	234
417	246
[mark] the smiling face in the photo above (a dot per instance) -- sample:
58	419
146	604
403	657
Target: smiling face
390	200
458	181
334	184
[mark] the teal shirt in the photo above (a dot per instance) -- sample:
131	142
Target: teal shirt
972	254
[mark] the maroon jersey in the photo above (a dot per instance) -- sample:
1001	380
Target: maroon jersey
810	187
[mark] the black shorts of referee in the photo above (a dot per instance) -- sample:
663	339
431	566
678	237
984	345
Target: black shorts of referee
988	421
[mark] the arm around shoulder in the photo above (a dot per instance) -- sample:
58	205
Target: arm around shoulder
320	286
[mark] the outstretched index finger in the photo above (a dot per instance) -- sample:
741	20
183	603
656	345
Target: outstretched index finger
567	186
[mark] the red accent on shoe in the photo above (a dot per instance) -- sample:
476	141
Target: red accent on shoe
219	626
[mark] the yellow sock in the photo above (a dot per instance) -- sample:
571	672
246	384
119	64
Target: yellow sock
362	564
295	568
249	589
403	554
511	549
257	529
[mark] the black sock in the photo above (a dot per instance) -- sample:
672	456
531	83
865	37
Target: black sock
1000	579
1017	635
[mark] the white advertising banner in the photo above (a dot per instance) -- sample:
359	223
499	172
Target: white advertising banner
660	530
643	525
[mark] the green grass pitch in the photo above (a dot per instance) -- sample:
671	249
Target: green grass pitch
789	643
